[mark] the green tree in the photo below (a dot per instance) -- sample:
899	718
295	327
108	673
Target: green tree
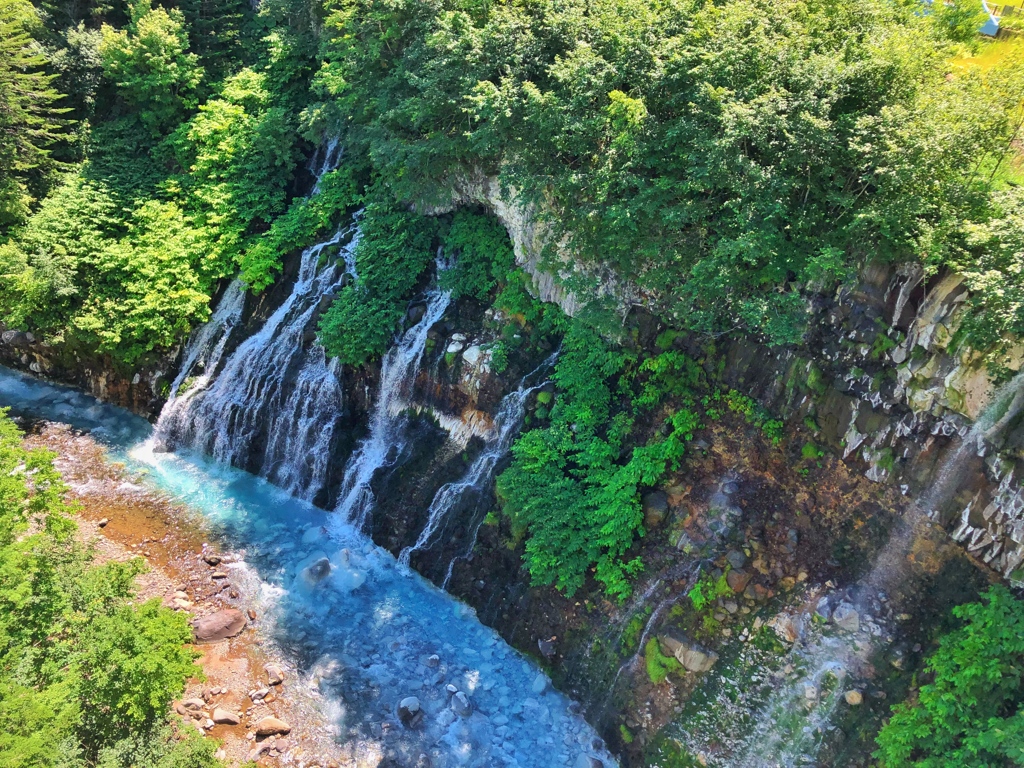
971	712
86	675
30	121
150	65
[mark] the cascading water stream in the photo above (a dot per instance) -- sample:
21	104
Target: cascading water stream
205	349
789	727
480	474
1006	404
275	404
387	420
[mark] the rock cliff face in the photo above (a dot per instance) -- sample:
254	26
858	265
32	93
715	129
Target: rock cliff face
139	391
533	239
878	381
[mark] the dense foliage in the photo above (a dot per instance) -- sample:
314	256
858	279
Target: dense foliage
971	711
182	177
720	155
29	114
574	484
86	675
395	247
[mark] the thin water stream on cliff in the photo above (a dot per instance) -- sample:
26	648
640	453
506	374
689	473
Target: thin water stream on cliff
366	632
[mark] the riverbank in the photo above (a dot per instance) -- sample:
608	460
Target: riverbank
121	518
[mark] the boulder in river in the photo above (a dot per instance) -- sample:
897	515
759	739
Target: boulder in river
461	705
316	572
409	712
221	625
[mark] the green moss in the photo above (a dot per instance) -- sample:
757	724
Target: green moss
811	451
881	346
544	397
626	734
666	338
659	666
816	380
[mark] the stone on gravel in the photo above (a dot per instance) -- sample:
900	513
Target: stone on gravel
736	559
103	523
211	559
271	726
846	617
689	654
275	675
854	698
221	625
225	717
738	580
786	627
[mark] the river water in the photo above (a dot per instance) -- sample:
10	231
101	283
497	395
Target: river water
365	631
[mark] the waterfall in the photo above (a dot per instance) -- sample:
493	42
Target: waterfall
478	476
387	420
275	403
1004	407
204	349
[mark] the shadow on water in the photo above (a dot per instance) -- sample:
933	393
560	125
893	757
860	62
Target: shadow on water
364	632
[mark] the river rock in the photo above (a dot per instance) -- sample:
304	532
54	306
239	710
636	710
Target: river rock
655	507
409	712
854	698
547	648
416	313
211	559
588	761
271	726
317	572
846	617
225	717
461	705
540	684
221	625
688	653
275	675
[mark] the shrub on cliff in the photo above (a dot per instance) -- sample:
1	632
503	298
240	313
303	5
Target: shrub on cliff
573	485
972	713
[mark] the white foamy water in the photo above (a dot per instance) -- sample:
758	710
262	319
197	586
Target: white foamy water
387	419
